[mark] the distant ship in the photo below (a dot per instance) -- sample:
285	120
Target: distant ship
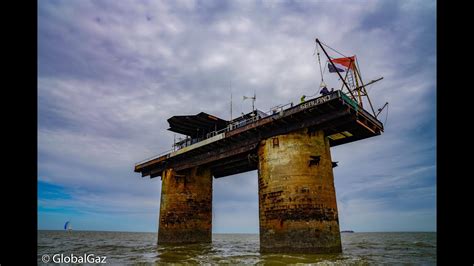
347	231
67	226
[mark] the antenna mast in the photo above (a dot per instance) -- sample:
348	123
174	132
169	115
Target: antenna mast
253	100
230	99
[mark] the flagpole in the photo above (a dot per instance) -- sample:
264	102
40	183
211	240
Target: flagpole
332	63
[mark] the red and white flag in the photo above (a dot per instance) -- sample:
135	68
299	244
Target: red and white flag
342	64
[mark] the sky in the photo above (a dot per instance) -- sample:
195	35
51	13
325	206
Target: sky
111	72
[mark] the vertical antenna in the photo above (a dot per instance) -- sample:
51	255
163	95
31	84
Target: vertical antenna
253	100
230	100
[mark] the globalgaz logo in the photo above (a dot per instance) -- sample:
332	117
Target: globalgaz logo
85	258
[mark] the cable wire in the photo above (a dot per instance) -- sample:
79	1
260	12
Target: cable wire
320	68
333	49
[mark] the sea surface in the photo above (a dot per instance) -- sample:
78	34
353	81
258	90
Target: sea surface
141	248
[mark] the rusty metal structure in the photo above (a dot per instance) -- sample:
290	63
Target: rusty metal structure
290	148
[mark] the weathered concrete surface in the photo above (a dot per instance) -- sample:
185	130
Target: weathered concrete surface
186	206
297	199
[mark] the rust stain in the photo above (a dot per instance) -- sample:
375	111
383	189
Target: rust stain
297	199
186	206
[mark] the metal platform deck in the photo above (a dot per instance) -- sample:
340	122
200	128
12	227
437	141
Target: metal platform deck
233	151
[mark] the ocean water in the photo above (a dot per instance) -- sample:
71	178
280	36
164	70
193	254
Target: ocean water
141	248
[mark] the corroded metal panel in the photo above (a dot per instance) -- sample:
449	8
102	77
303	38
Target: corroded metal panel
186	206
297	198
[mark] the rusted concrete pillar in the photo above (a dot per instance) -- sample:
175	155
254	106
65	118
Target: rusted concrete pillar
297	199
186	206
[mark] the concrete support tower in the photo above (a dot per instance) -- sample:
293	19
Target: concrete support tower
297	198
186	206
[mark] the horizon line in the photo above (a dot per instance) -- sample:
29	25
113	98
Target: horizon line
229	233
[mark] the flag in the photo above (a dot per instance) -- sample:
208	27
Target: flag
342	64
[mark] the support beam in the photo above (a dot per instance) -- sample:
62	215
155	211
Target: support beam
297	198
186	206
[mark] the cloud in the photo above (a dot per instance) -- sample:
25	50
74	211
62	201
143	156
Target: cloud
110	74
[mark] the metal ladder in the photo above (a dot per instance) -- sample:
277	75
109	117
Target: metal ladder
350	79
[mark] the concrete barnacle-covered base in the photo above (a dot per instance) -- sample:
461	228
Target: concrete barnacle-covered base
297	198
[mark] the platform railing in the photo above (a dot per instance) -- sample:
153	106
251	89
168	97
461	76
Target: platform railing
279	108
154	157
